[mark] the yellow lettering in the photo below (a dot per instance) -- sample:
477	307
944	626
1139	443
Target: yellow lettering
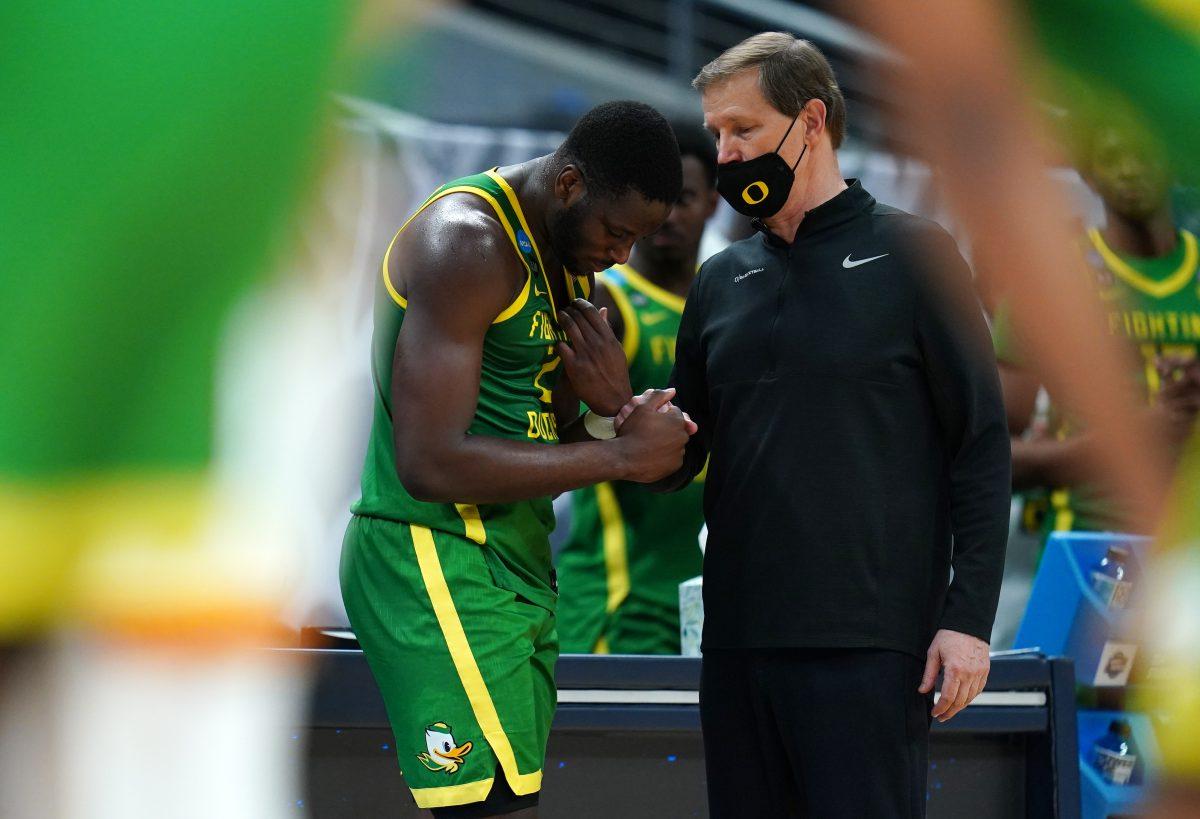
542	425
1158	326
548	367
1140	328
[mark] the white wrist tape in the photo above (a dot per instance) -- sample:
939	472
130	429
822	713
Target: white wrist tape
599	427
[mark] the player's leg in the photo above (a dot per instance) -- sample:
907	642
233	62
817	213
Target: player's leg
528	705
642	626
450	651
583	577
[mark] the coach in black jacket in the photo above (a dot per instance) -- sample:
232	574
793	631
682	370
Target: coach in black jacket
839	368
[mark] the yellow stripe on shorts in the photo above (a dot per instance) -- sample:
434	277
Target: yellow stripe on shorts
464	663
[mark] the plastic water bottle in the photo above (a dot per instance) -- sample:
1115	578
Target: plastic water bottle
1111	580
1113	755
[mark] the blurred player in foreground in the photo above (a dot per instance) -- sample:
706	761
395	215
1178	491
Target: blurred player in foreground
978	128
144	183
630	548
446	569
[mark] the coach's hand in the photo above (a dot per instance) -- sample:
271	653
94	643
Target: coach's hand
653	439
966	663
594	359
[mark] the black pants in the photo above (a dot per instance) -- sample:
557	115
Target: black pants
817	733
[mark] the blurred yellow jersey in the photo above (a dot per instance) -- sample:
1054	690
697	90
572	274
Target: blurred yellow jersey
149	155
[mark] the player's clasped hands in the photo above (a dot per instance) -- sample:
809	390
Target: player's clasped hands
654	433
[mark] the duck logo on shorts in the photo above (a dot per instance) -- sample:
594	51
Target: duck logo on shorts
444	753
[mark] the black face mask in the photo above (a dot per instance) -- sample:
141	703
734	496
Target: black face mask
759	187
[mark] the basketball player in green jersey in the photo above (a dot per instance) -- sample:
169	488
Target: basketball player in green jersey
1144	270
629	548
483	349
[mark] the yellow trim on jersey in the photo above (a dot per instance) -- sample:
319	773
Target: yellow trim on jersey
469	513
1158	289
451	795
577	286
616	558
633	330
518	302
582	281
601	646
522	297
387	280
516	206
1064	516
464	663
651	290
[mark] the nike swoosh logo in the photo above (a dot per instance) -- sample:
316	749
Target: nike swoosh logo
655	318
846	263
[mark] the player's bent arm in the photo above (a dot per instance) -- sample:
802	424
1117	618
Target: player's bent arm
1039	461
1049	462
453	278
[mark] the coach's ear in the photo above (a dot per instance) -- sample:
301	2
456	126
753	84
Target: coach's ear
569	187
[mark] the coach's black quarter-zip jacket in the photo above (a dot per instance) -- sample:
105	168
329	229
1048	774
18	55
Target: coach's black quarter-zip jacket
847	397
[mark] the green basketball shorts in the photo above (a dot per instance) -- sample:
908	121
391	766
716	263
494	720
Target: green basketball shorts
466	667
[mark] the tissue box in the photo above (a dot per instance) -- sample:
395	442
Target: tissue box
691	616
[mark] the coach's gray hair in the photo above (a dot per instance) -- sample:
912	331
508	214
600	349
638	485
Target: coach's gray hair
791	72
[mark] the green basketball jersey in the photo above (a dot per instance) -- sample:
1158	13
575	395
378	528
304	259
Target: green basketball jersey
1155	304
630	548
517	378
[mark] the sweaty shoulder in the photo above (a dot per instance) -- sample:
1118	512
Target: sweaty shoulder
457	245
